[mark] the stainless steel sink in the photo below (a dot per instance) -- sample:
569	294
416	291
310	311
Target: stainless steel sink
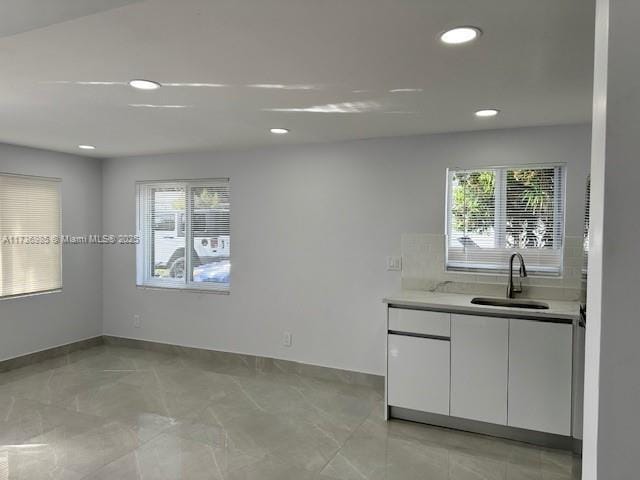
510	302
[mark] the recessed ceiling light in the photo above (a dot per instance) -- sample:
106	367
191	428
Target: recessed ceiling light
86	147
487	112
406	90
459	35
279	131
144	84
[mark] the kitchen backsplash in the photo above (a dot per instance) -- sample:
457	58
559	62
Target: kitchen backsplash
423	269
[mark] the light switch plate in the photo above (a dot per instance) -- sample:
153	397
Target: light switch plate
394	264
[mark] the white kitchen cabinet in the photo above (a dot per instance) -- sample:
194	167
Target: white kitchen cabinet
479	368
418	373
540	363
578	382
420	322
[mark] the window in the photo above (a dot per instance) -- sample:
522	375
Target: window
164	222
494	212
585	233
184	229
30	226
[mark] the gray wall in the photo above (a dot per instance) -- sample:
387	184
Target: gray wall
311	227
612	390
35	323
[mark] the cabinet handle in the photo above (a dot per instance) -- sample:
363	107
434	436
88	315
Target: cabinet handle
419	335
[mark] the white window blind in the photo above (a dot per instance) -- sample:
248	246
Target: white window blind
30	224
185	233
494	212
585	243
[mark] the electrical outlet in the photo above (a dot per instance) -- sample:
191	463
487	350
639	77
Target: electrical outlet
394	264
136	321
287	339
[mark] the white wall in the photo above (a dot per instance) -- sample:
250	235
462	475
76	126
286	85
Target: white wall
36	323
594	285
612	390
311	227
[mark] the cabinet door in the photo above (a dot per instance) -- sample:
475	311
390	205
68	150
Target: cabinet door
578	382
479	368
418	373
540	357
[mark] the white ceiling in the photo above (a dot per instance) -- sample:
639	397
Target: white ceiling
326	69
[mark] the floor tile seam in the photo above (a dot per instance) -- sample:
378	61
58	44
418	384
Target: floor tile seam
153	437
49	430
69	405
48	405
351	434
210	446
103	418
23	398
164	431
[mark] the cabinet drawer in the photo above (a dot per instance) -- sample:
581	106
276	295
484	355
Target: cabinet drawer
420	322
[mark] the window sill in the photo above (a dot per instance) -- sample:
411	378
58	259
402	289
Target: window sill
185	289
33	294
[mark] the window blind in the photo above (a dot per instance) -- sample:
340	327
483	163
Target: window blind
494	212
185	234
30	228
585	243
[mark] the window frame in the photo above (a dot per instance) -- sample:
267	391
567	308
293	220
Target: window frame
143	266
58	182
500	223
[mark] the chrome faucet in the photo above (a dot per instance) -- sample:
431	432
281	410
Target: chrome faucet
523	273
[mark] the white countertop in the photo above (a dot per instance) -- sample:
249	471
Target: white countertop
461	303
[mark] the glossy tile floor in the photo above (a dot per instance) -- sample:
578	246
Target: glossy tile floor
116	413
